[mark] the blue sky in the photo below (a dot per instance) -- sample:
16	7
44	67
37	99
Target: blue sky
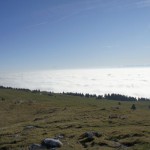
64	34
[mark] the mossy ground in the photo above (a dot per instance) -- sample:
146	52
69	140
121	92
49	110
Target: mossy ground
27	118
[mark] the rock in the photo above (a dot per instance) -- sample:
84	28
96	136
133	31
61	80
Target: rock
35	147
115	144
113	116
51	143
123	117
87	135
97	134
60	136
48	143
90	135
29	127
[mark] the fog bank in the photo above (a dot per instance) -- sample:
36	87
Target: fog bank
128	81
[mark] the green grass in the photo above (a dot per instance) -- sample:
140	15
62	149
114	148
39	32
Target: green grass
71	116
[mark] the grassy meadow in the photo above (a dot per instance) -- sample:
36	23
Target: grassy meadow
27	117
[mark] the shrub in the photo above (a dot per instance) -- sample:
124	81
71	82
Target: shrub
133	107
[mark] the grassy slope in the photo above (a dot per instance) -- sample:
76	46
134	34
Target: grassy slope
71	116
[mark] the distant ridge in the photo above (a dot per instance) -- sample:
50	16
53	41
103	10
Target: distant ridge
113	96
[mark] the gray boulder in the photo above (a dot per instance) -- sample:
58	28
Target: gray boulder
51	143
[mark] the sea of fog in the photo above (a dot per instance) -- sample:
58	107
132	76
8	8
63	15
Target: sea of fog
128	81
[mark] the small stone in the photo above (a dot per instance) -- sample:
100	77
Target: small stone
87	135
90	135
123	117
97	134
35	147
113	116
29	127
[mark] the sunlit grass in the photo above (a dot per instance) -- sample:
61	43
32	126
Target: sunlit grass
71	116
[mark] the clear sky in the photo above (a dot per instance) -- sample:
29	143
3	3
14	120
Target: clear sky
49	34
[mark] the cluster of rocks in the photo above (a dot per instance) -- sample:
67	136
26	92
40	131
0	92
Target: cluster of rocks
114	116
48	143
54	143
88	137
85	139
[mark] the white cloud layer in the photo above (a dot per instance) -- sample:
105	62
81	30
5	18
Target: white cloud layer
127	81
